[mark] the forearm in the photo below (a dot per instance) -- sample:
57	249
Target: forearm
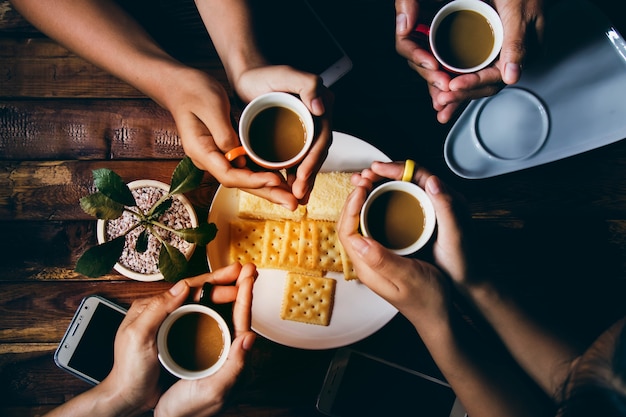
230	26
96	402
542	354
102	33
484	377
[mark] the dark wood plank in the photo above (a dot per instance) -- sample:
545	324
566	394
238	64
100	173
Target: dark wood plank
51	189
55	303
48	251
11	22
87	129
33	190
39	67
36	66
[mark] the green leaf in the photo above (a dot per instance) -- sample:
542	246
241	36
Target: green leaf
186	177
172	263
100	259
112	185
161	208
201	235
142	241
101	206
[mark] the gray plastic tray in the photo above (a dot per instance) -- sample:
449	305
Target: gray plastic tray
571	100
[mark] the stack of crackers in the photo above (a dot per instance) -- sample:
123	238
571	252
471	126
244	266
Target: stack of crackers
303	242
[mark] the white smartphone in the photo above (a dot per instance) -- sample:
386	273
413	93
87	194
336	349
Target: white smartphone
86	350
358	384
290	32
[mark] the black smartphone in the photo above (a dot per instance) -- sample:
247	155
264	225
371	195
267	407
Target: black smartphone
358	384
289	32
86	350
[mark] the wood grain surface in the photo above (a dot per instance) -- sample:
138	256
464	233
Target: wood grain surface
555	235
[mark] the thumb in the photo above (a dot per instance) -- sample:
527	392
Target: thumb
227	375
406	16
377	268
150	313
444	208
450	249
513	49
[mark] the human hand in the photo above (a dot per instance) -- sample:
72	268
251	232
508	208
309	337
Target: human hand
522	19
133	384
318	99
415	287
201	110
206	396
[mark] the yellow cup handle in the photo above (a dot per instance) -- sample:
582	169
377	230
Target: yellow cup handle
409	168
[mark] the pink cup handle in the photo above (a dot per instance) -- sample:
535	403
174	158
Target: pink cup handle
423	29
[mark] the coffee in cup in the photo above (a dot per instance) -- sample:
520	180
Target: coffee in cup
399	215
193	342
465	35
276	130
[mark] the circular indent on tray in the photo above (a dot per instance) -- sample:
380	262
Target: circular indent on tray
512	124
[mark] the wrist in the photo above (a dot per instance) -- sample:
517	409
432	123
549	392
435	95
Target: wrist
239	64
431	320
111	400
183	88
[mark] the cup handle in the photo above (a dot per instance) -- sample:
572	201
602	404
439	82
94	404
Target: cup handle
409	169
423	29
235	153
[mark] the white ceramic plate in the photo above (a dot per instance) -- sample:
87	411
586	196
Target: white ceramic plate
358	312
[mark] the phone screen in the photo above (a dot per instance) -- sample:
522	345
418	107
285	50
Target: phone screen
369	387
94	352
87	347
289	32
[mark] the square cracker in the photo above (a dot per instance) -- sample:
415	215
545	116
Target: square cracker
273	240
246	241
328	253
308	299
318	248
288	258
308	248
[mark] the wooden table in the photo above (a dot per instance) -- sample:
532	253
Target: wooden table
555	233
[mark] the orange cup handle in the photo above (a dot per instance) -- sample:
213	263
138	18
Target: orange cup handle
235	153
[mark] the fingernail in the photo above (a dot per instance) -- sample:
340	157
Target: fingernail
434	185
318	106
401	23
248	341
511	73
359	245
178	288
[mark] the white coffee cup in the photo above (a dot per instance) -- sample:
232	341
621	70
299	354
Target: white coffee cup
291	148
179	351
399	215
487	54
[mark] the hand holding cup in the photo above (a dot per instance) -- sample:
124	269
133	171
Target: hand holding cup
399	215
